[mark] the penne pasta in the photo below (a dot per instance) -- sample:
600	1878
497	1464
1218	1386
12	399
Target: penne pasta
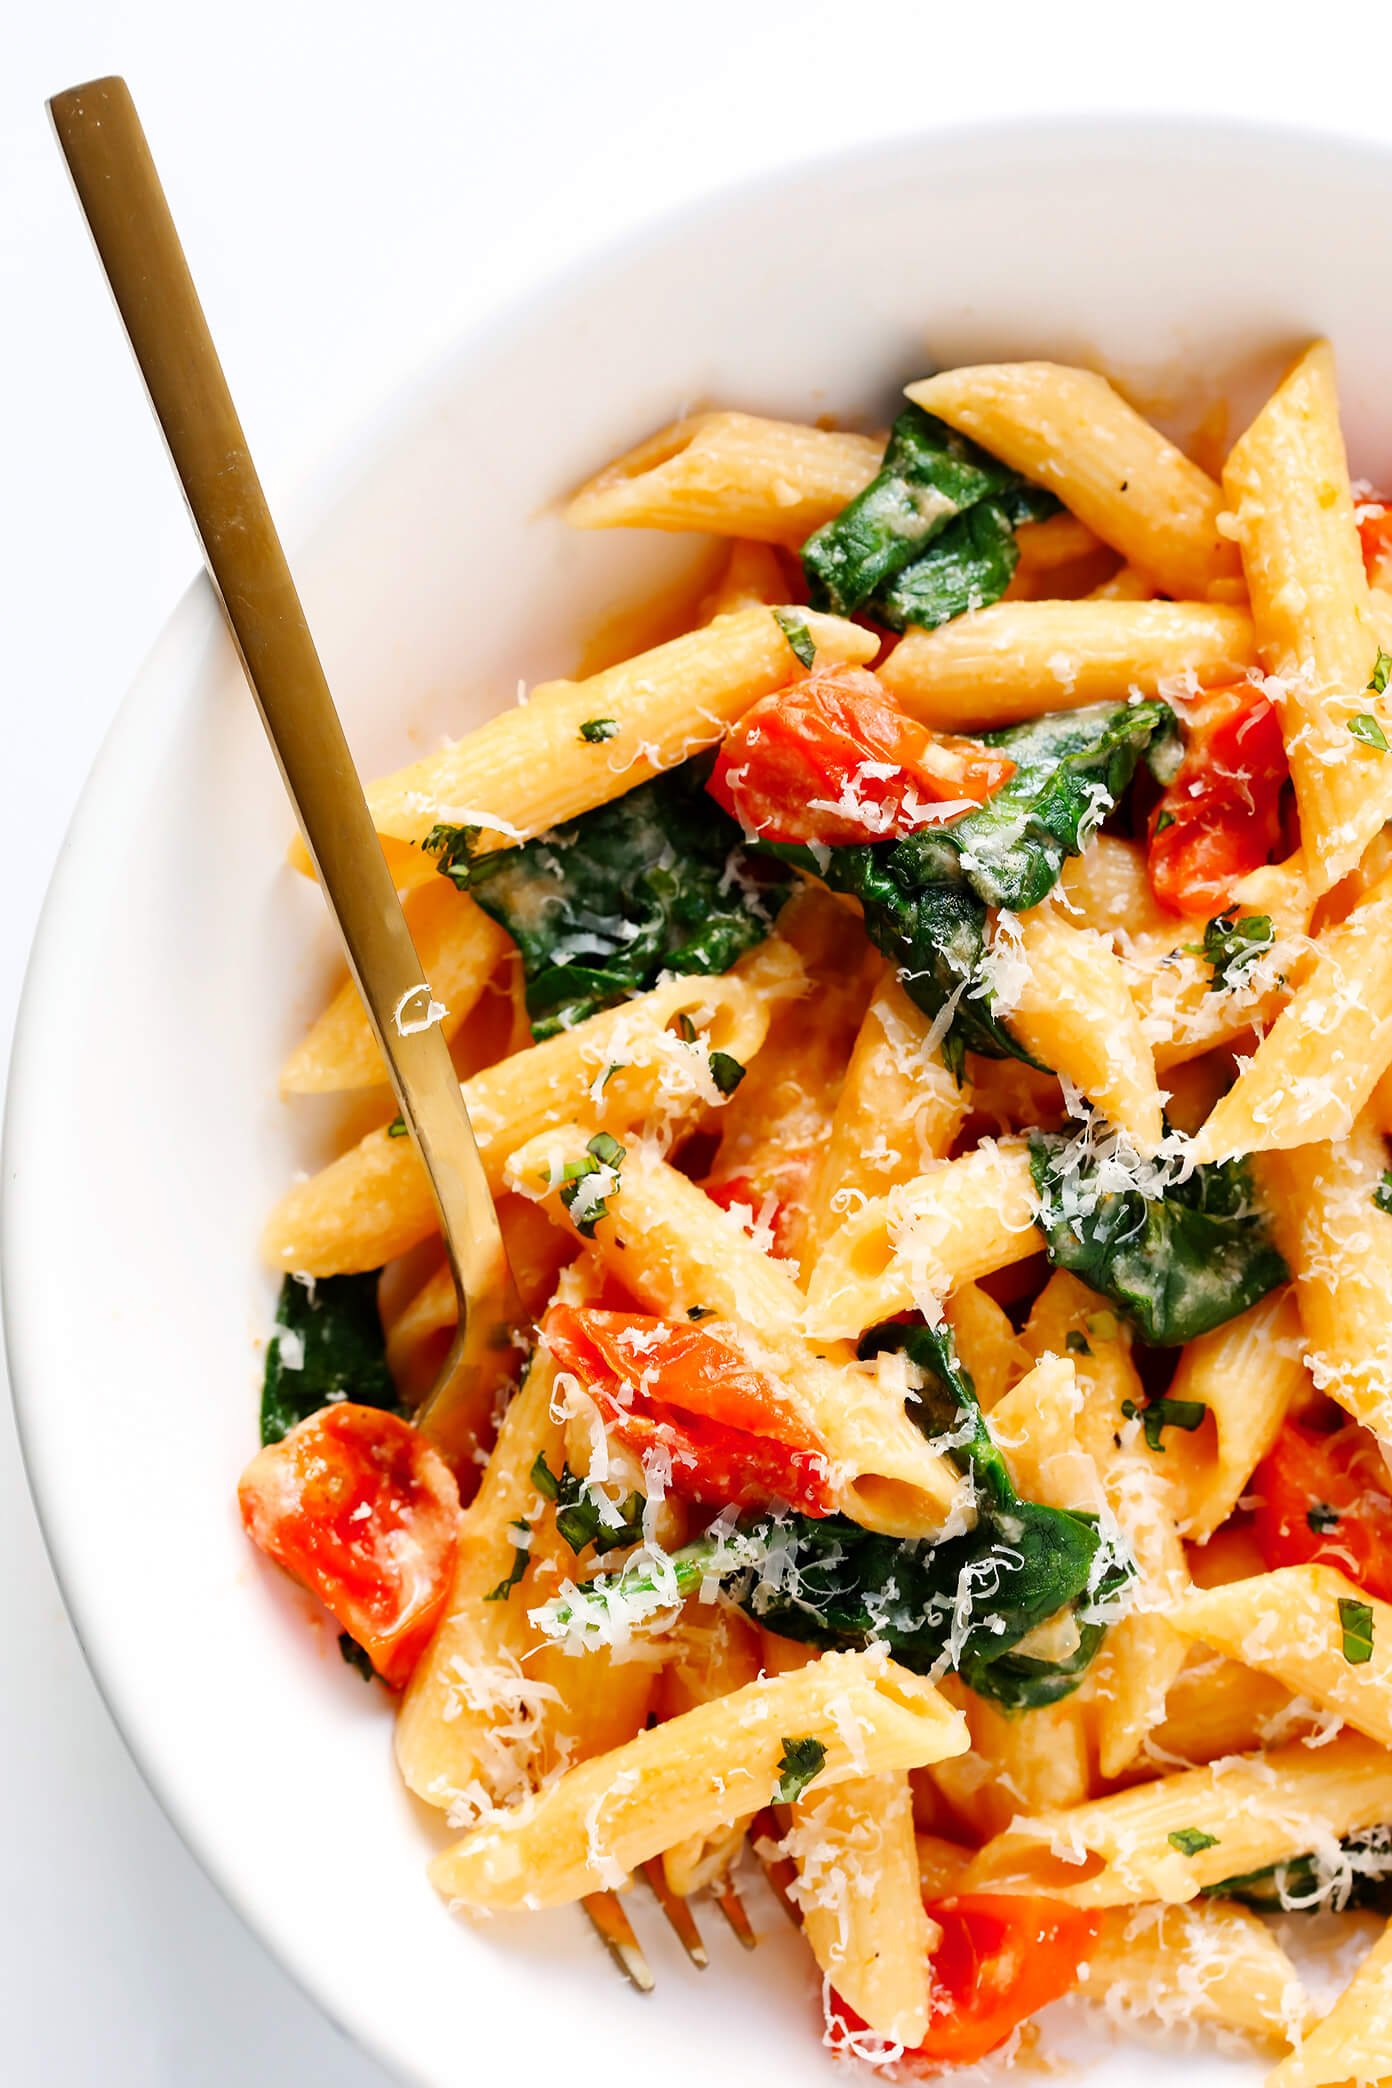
773	481
1069	430
861	1902
898	1109
1206	1963
1244	1375
1288	486
1310	1628
1338	1242
1073	1011
674	1249
530	768
1016	660
963	1220
710	1654
1313	1072
459	949
696	1773
1350	2042
375	1202
1254	1810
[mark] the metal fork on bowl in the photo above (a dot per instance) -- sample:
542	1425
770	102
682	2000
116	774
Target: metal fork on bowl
139	249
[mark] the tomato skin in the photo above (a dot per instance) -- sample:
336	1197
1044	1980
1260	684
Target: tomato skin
355	1504
1375	536
792	768
1340	1471
741	1190
1221	816
1003	1956
676	1385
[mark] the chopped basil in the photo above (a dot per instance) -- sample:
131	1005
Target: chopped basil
1191	1841
521	1552
1163	820
603	1154
658	880
1382	1195
597	730
1178	1262
1158	1414
356	1656
328	1346
1365	727
801	643
1382	673
726	1071
544	1479
1078	1343
686	1028
1322	1518
397	1128
583	1514
1356	1623
1233	946
695	1312
799	1762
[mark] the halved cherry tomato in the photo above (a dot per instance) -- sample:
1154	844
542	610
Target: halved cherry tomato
1375	535
358	1507
1221	816
1003	1956
831	759
740	1192
1324	1498
664	1383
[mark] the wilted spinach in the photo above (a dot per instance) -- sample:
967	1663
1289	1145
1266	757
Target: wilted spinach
657	880
328	1346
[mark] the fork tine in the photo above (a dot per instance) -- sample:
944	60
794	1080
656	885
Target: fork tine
733	1908
678	1912
781	1872
614	1929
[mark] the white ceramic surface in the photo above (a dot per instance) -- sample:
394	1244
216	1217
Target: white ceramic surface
436	578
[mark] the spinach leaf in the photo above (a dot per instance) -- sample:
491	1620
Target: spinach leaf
970	565
931	535
657	880
328	1346
927	896
1360	1877
1179	1261
966	1602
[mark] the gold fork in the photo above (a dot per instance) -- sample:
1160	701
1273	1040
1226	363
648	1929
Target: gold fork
126	210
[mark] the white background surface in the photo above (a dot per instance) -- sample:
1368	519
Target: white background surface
352	183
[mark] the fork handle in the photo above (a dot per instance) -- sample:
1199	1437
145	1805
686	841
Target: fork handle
121	197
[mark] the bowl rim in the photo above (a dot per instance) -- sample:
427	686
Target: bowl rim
323	486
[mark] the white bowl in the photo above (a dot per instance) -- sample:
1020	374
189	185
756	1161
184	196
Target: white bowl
178	958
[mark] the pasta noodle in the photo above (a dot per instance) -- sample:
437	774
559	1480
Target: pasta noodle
1019	659
1073	433
1287	484
587	1831
939	1137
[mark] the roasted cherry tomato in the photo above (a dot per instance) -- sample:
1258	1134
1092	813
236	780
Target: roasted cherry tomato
675	1385
831	759
1375	535
1003	1956
740	1192
1221	816
359	1508
1325	1497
